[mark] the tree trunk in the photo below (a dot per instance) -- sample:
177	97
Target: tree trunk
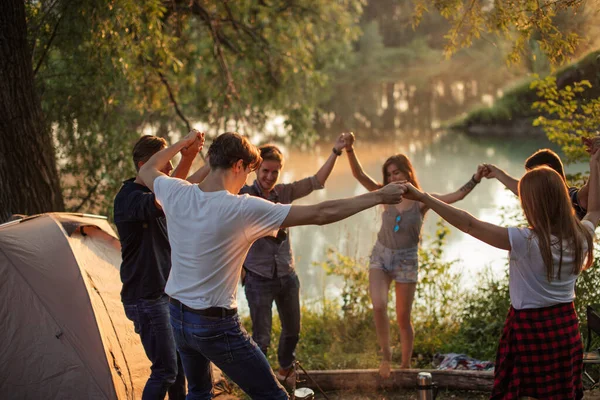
29	182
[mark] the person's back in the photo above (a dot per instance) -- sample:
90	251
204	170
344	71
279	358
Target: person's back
208	258
145	248
211	230
146	262
528	277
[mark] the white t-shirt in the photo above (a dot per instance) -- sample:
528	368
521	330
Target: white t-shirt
210	234
528	281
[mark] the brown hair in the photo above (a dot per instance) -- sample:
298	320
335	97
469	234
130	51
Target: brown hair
146	147
548	210
401	162
229	147
546	157
271	152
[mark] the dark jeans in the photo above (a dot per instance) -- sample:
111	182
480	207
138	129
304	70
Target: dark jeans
151	321
226	343
285	291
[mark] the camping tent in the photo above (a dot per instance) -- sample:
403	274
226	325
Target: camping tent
64	333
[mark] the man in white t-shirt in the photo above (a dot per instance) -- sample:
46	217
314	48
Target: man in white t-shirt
211	229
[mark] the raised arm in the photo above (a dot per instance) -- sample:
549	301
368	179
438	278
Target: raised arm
357	171
511	183
325	170
491	234
336	210
188	154
591	146
464	190
593	198
151	168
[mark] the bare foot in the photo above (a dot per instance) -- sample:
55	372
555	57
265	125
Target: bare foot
385	369
404	366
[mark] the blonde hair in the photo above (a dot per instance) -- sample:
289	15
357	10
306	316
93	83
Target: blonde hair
549	212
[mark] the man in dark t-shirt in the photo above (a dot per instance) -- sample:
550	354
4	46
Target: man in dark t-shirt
548	158
146	255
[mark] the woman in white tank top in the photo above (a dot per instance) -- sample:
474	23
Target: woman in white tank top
394	256
540	352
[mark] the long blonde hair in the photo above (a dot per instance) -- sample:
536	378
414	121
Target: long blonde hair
548	210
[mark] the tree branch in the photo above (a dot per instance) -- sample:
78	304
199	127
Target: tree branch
173	100
47	47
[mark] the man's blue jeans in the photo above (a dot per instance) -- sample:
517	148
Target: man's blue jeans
285	291
226	343
151	321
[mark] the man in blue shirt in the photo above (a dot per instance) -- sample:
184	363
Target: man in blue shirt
145	268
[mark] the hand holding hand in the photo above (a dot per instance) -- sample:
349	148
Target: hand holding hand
480	173
340	142
491	171
411	192
194	143
349	140
392	193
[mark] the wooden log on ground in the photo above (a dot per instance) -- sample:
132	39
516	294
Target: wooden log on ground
369	379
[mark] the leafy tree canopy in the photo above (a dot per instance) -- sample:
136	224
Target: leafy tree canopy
108	70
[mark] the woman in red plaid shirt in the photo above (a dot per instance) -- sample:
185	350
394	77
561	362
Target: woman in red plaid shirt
540	352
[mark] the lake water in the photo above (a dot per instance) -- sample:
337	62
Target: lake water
443	163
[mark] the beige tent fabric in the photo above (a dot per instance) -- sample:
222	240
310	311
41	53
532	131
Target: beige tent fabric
97	258
64	334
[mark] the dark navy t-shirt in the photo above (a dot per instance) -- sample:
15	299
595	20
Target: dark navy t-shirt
574	195
145	245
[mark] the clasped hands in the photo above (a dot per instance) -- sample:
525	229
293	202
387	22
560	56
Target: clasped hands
193	143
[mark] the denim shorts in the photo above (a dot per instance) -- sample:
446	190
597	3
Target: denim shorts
402	264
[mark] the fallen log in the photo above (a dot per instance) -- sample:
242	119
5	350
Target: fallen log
369	379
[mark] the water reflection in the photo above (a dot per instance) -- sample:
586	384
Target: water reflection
443	162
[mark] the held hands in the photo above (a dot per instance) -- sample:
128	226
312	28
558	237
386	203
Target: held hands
482	171
392	193
340	142
349	140
194	141
411	192
490	171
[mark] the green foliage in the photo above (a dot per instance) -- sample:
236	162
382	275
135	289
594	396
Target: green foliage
567	115
544	95
482	318
340	333
108	71
438	288
519	22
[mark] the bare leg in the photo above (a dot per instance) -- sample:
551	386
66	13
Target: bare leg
379	286
405	295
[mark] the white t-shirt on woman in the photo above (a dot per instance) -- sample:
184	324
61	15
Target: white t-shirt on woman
210	234
528	281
